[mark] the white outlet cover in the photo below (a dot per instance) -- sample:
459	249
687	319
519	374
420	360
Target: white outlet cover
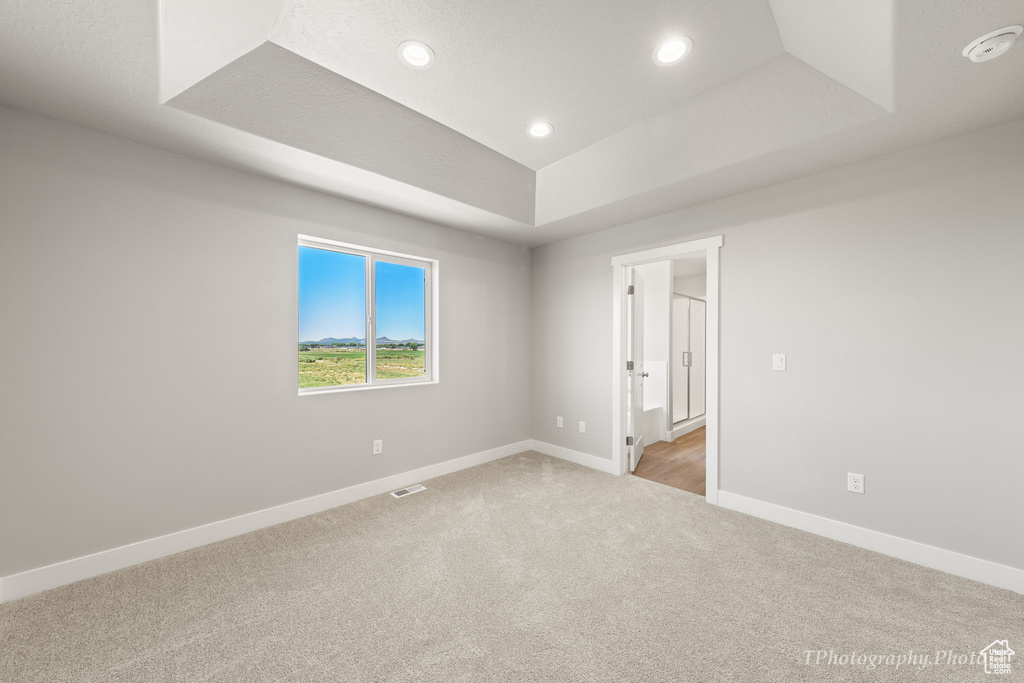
855	483
583	427
558	421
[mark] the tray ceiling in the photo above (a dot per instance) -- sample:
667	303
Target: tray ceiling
312	92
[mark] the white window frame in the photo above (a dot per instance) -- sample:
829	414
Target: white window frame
430	315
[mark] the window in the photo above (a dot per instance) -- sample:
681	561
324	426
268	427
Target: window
364	317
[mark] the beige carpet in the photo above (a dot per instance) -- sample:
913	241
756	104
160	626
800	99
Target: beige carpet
525	569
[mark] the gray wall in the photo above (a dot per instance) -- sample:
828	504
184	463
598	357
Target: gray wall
148	310
147	356
896	288
691	285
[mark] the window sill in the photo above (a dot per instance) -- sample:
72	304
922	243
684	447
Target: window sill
366	387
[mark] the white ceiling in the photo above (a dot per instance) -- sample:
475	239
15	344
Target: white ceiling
311	92
851	42
583	66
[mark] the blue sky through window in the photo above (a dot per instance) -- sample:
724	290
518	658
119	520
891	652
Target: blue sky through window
400	301
332	297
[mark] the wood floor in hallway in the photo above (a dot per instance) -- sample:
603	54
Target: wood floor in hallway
678	463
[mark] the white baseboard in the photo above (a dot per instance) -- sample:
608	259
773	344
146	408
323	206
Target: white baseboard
577	457
51	576
62	573
686	428
984	571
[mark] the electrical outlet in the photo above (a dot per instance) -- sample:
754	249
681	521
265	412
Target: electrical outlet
855	482
558	421
378	446
583	427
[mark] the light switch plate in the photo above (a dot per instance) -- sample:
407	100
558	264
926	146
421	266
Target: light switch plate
779	362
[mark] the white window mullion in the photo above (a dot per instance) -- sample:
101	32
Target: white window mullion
430	304
371	321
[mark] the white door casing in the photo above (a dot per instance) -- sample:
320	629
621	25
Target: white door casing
620	266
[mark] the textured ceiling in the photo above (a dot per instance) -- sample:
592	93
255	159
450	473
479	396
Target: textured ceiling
277	95
197	37
848	41
938	94
583	66
311	92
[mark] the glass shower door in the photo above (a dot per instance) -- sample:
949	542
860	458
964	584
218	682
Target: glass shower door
698	358
680	356
689	358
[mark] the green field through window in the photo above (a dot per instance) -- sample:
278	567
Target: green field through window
401	323
333	325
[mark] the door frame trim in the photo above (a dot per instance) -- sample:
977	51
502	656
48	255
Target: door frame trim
620	265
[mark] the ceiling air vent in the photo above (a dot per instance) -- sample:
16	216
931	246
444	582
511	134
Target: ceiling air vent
991	45
408	491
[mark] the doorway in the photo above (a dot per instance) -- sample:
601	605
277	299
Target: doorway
665	352
668	342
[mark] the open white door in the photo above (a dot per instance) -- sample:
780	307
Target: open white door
635	369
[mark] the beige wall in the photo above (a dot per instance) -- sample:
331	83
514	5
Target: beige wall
148	306
896	370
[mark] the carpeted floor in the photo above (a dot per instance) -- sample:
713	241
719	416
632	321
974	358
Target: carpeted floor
524	569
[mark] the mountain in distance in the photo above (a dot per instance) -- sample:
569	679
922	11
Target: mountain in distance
360	340
334	340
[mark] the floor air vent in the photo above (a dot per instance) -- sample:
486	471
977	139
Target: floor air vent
401	493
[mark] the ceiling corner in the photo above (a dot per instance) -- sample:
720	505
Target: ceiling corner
850	42
198	37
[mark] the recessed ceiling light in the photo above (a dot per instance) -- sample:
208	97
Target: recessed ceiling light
991	45
672	50
541	129
416	54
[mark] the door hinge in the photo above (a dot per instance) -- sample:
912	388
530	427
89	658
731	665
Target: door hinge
629	365
629	441
629	290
